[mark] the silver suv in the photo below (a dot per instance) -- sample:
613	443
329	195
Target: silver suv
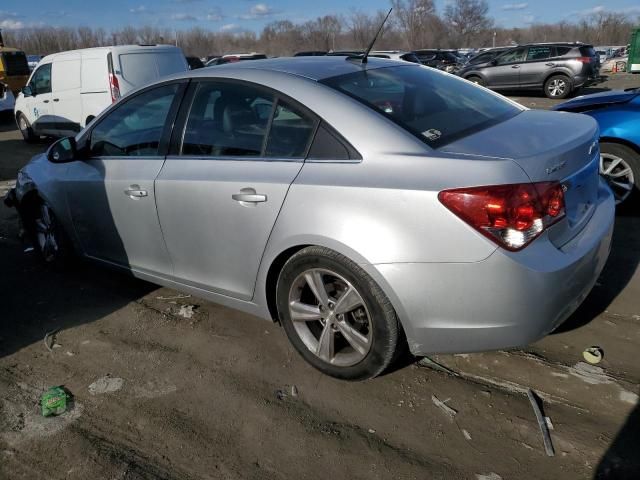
557	68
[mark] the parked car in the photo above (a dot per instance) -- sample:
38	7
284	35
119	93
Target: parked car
615	65
485	56
357	204
618	115
557	68
396	55
69	89
235	57
310	53
32	61
7	100
445	60
194	63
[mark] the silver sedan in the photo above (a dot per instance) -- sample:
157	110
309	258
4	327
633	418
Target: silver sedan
367	207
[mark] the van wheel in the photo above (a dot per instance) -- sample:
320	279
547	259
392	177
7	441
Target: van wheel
557	87
25	129
477	80
336	316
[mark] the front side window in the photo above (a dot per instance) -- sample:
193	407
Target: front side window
41	81
227	120
429	104
134	129
514	56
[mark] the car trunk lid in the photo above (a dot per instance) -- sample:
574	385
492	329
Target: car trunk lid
548	146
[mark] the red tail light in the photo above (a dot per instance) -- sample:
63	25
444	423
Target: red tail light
510	215
585	59
114	86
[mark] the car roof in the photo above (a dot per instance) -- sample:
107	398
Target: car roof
314	68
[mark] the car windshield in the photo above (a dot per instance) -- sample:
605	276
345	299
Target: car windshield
434	106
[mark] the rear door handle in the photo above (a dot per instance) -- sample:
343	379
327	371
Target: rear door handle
515	66
550	64
45	101
56	99
249	195
135	192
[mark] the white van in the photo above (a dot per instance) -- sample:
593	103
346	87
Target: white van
67	90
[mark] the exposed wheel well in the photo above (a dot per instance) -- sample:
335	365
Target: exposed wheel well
272	278
621	141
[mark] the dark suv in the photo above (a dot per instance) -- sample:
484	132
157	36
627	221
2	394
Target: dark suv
442	59
557	68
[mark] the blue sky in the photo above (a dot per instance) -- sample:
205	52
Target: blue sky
253	15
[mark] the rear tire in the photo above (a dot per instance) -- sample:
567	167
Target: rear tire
620	167
477	80
336	316
25	129
557	87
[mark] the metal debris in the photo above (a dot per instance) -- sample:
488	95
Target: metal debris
51	335
174	297
466	434
430	363
187	311
593	355
443	406
544	429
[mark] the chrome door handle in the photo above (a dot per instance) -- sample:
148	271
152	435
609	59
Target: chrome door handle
249	195
135	192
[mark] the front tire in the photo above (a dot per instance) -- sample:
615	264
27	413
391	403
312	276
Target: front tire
477	80
336	316
620	167
25	129
557	87
47	235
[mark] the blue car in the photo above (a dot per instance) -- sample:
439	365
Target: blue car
618	114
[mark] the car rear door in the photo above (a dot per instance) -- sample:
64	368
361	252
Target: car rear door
537	65
505	73
220	191
111	196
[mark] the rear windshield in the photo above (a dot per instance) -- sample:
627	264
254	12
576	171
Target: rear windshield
434	106
15	63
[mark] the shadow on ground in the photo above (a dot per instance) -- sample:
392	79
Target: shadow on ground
621	461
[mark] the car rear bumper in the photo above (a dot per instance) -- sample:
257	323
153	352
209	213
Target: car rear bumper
507	300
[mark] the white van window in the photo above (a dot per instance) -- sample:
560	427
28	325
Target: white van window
66	75
95	75
142	68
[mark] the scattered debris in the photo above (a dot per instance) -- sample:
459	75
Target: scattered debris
106	384
281	394
430	363
174	297
54	401
187	311
628	397
51	335
549	423
443	406
371	430
294	391
544	429
28	250
466	434
490	476
590	374
593	355
69	354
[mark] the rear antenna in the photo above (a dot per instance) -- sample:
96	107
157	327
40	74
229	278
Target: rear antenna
366	53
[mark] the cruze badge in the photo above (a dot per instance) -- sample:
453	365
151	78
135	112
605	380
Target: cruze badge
556	167
593	146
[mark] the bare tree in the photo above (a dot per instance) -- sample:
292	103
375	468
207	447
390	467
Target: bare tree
467	20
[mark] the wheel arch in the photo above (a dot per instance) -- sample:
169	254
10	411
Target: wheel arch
621	141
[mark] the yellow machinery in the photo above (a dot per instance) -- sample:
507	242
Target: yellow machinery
14	69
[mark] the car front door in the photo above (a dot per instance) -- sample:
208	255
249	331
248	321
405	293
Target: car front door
220	191
111	194
505	72
537	65
39	109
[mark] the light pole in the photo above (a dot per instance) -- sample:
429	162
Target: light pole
494	39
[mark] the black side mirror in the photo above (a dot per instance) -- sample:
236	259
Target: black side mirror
494	62
27	91
63	151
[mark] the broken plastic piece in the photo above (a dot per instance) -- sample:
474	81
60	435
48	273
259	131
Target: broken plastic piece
546	436
593	355
443	406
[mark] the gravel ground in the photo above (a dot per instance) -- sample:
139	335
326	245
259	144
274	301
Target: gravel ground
222	394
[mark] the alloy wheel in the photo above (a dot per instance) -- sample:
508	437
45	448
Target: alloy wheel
23	124
557	87
330	317
618	175
45	234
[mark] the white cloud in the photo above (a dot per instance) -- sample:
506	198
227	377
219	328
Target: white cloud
593	11
259	10
11	24
183	17
215	15
528	19
514	6
229	27
139	10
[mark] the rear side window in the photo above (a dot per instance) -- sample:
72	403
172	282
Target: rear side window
540	52
145	67
135	127
514	56
328	146
431	105
41	80
95	76
587	51
227	120
290	132
562	51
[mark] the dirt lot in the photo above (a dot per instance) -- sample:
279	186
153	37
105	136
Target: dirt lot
158	395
